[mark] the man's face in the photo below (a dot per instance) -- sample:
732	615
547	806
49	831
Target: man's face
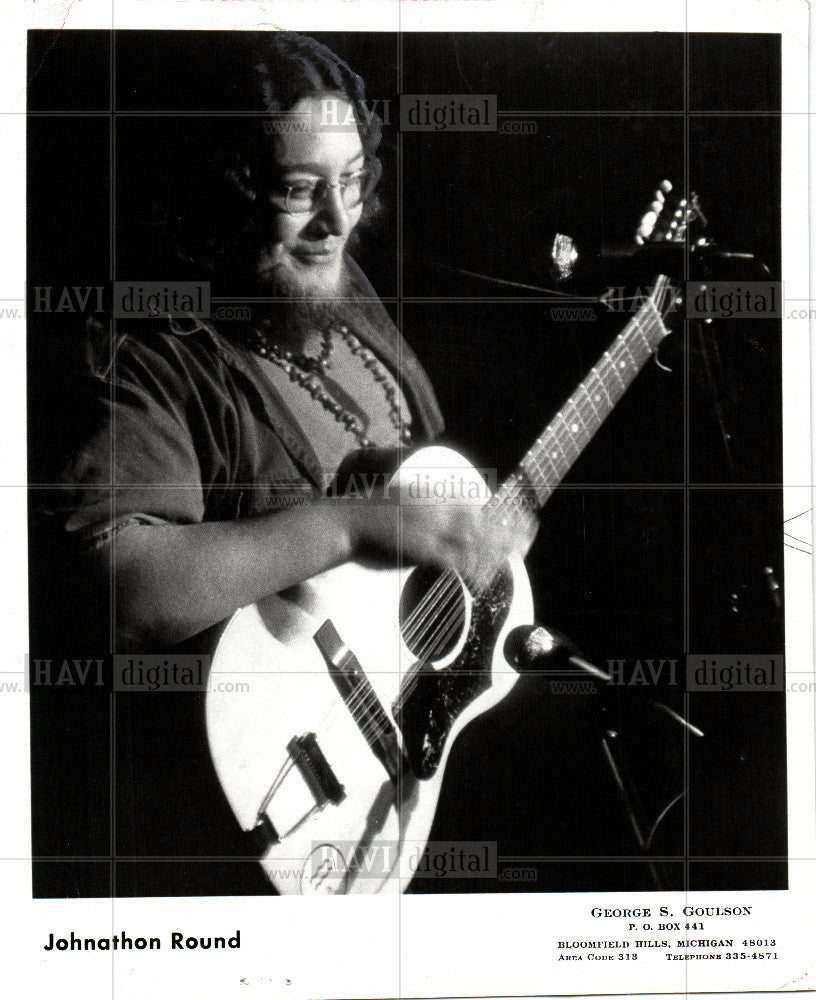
305	250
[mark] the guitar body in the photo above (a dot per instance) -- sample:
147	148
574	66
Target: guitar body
296	752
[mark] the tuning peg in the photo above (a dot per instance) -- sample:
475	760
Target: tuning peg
647	224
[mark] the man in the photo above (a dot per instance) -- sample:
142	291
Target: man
198	483
199	421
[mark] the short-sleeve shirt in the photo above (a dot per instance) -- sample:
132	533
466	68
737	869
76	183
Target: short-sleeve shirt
186	425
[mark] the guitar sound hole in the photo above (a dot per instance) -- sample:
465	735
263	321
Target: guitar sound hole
432	613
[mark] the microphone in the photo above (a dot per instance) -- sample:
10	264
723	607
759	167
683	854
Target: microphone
659	255
533	647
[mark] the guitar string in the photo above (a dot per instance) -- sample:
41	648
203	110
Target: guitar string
442	634
584	439
437	641
454	582
415	617
514	488
452	596
434	643
357	698
439	638
620	344
448	626
576	408
445	630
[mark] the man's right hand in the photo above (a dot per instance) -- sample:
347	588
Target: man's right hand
454	536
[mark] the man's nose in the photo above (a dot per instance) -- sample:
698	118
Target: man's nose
332	215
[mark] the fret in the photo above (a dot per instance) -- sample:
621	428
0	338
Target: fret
600	381
531	469
657	321
643	336
541	485
550	461
577	426
586	392
622	387
562	437
562	430
549	445
625	346
513	496
644	346
625	370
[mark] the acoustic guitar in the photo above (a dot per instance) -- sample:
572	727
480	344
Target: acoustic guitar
361	678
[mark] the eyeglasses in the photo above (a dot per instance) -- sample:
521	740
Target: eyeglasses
303	197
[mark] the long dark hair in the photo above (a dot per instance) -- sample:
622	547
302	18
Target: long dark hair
208	202
292	67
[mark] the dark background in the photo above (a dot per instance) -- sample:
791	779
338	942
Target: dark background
658	524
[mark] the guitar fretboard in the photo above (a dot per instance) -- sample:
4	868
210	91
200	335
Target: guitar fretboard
555	452
552	455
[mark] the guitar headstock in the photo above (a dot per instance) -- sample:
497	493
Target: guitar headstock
669	216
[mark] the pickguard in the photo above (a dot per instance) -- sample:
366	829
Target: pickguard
434	699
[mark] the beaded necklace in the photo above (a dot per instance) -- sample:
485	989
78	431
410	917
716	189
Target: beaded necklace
305	371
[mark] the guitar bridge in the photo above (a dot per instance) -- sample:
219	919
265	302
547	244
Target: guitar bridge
361	700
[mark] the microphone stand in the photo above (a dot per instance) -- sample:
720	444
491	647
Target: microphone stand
534	648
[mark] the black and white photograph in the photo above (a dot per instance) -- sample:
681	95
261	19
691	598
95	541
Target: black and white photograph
417	505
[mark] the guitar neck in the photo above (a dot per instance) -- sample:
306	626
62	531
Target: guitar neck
557	449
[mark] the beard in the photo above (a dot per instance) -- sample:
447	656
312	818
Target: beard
298	301
297	304
306	303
